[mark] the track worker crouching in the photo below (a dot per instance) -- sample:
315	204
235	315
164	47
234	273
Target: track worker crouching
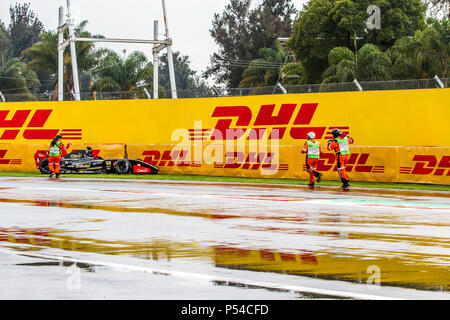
55	152
340	146
312	150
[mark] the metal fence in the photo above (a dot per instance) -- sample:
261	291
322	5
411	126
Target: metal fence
223	92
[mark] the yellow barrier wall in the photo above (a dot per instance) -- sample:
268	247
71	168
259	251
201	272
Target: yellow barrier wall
376	164
388	128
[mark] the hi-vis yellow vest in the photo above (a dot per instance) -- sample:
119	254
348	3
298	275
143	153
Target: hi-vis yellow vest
343	145
313	149
54	151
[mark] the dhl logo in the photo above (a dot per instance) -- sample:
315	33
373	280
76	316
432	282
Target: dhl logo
34	128
253	161
8	161
356	162
168	158
233	160
266	124
428	164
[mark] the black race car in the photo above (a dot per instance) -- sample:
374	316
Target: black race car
88	161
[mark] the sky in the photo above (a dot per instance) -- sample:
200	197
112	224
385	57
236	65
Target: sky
189	22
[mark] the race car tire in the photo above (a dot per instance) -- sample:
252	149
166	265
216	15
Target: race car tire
122	166
43	166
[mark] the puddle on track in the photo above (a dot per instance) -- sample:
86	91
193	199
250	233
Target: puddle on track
328	243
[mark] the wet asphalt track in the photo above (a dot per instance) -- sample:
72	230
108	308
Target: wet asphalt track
124	239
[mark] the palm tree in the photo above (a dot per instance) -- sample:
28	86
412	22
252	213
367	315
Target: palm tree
293	74
373	64
123	74
436	38
425	55
402	55
265	70
370	64
342	66
16	79
44	56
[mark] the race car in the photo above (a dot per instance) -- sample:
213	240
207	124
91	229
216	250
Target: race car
88	161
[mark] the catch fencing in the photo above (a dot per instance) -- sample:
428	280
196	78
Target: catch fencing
211	92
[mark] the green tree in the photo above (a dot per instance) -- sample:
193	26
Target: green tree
187	82
269	21
436	40
241	31
5	44
24	28
265	70
231	31
184	75
425	55
370	64
293	74
325	24
16	79
123	74
43	56
342	66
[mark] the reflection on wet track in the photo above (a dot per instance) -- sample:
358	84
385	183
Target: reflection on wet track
289	242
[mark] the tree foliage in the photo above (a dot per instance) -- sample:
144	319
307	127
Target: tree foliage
117	74
15	78
184	75
265	70
24	28
271	20
369	64
241	31
43	56
186	79
424	55
5	44
326	24
293	74
232	33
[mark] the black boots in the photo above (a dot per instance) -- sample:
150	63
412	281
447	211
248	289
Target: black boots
345	183
318	176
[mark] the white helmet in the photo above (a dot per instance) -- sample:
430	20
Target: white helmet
311	135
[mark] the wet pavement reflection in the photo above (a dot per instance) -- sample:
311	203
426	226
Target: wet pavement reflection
323	234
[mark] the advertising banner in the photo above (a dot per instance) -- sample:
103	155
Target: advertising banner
400	136
374	118
374	164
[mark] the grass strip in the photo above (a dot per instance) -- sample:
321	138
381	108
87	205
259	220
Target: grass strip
185	177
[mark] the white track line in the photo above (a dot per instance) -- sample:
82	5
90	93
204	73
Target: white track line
210	278
221	183
246	198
